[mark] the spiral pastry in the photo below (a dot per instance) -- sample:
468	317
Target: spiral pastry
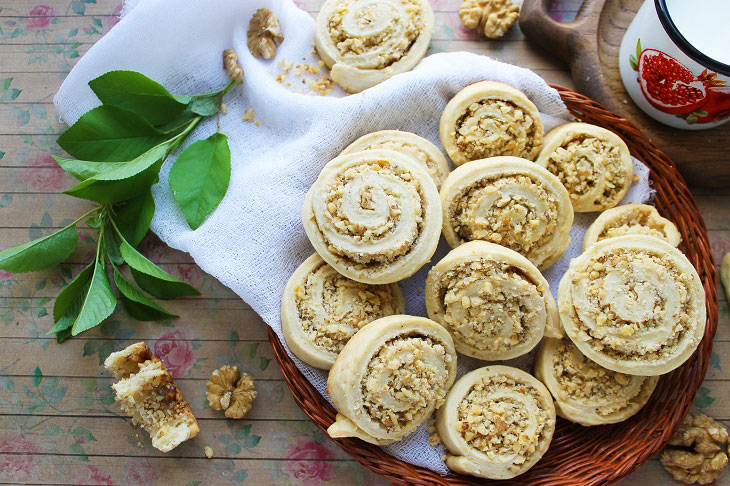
631	219
585	392
365	42
390	377
495	303
410	144
497	422
375	216
489	119
633	304
509	201
321	310
593	163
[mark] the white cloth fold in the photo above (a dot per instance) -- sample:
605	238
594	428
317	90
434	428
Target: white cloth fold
254	240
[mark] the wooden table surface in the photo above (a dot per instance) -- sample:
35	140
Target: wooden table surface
58	420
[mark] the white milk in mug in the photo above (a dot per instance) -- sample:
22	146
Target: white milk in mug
675	62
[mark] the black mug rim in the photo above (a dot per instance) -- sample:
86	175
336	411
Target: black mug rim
684	45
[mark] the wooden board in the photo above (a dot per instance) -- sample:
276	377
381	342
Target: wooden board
58	422
590	45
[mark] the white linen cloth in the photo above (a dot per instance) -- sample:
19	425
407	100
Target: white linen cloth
254	240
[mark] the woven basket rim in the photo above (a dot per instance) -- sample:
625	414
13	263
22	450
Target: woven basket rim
578	456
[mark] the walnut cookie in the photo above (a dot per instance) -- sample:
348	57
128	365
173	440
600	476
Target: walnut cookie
375	216
633	304
495	303
631	219
496	423
410	144
321	310
584	391
365	42
509	201
489	119
593	163
389	378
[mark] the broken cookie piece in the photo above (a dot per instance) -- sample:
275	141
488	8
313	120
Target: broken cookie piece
147	392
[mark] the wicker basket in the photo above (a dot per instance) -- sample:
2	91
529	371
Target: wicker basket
577	455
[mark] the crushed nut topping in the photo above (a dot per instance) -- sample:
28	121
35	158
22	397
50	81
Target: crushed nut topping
230	64
231	391
332	308
495	422
585	162
493	127
697	453
263	33
491	305
492	18
404	378
352	24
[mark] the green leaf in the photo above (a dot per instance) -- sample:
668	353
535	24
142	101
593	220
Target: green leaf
110	134
68	303
41	253
111	246
137	304
152	278
633	63
207	104
98	303
199	179
125	181
136	92
85	169
639	50
700	113
37	376
133	217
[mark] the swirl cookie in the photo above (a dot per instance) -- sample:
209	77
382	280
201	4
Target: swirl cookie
365	42
509	201
593	163
410	144
496	423
631	219
375	216
495	303
584	391
633	304
390	377
321	310
489	119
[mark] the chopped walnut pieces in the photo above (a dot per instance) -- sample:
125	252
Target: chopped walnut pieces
492	18
230	64
263	33
248	115
697	453
231	391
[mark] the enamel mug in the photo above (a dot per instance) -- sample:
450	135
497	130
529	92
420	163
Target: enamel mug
675	62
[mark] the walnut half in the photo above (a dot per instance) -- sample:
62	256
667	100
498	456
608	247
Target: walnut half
697	453
231	391
263	32
493	18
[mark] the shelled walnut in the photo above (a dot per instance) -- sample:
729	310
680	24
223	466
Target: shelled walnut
697	453
263	33
231	391
492	18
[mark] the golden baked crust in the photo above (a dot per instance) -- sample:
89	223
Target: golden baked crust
631	219
375	216
593	163
584	391
495	303
633	304
147	392
489	119
365	42
321	310
497	422
509	201
390	377
410	144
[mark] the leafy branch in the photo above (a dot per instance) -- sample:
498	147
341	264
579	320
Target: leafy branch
119	148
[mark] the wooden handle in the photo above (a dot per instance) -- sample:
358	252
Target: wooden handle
563	40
